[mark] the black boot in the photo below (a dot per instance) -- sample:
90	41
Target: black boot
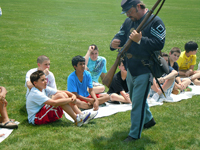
149	124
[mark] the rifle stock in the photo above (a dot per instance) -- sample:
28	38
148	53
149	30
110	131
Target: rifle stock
109	76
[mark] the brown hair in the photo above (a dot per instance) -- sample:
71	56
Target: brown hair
42	58
95	47
35	76
175	49
164	54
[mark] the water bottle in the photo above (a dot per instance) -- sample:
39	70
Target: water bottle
0	11
198	66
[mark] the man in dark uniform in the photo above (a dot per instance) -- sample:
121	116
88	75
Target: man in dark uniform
139	78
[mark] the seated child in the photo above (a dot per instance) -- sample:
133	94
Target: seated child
118	88
5	122
166	81
45	104
43	63
96	65
78	82
180	84
186	63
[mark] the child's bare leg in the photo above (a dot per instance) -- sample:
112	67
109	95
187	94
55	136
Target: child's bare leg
195	76
103	98
175	87
196	82
98	89
75	108
120	98
186	82
83	105
155	86
166	85
60	95
67	108
4	114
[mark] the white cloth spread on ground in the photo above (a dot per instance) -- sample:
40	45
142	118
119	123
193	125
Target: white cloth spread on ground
111	109
6	132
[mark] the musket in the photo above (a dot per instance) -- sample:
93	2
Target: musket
148	65
109	76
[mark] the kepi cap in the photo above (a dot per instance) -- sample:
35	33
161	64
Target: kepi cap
127	4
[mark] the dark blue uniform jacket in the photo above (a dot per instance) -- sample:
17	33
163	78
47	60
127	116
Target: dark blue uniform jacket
153	39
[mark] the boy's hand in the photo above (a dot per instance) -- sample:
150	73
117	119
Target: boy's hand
127	95
73	97
161	80
46	71
73	101
181	86
4	102
2	97
188	73
96	105
91	48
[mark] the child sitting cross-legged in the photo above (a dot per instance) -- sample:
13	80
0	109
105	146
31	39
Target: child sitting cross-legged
96	65
45	104
43	63
118	89
79	81
180	84
187	61
167	83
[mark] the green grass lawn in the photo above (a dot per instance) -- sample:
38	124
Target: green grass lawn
62	29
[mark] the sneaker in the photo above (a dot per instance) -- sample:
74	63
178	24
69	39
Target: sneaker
188	89
113	102
92	115
102	105
168	99
149	124
176	91
81	118
155	97
129	139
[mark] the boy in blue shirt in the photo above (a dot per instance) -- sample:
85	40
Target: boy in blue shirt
78	82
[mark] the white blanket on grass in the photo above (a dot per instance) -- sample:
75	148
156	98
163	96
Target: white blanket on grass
6	132
111	109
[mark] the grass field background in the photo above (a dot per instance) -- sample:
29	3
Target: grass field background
62	29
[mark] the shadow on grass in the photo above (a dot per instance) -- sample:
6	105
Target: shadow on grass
116	141
23	111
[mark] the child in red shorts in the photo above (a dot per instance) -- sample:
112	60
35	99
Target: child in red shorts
45	104
79	82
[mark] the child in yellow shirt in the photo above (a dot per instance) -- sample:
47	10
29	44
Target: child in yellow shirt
187	61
